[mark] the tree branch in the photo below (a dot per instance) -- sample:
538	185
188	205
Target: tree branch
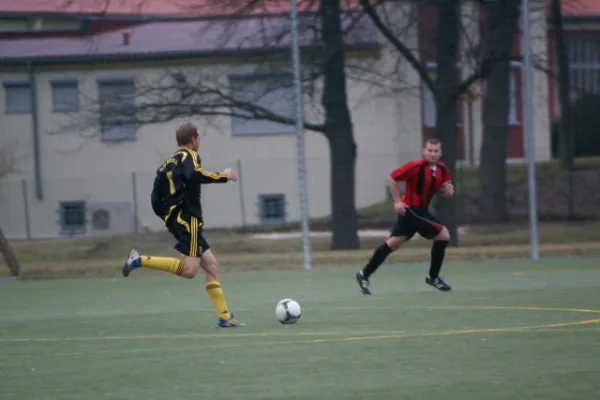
500	28
401	47
189	93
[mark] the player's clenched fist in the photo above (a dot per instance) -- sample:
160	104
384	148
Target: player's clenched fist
447	189
400	207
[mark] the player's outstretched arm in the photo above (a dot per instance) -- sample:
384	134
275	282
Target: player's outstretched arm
203	176
194	172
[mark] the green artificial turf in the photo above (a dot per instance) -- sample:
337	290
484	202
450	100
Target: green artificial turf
509	330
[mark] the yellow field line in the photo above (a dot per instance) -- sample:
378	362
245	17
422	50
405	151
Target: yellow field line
392	333
389	335
491	308
515	308
190	336
460	332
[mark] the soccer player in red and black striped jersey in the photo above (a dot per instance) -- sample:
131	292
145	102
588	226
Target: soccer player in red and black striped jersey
424	178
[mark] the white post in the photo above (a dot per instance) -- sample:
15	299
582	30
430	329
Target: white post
528	126
302	185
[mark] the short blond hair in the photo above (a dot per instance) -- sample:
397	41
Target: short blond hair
185	133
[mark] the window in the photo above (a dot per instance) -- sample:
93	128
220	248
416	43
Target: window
429	108
54	24
272	208
72	217
13	24
17	97
39	24
117	109
584	62
273	92
65	95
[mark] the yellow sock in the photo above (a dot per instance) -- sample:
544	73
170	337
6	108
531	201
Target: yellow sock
213	288
166	264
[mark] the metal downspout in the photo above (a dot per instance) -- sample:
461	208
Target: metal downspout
36	133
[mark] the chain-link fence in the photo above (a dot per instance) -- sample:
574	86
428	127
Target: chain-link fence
267	195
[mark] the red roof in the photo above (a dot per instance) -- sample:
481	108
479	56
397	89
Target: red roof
153	7
195	35
113	7
183	7
178	38
581	8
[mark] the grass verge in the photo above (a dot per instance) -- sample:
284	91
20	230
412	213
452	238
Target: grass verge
240	252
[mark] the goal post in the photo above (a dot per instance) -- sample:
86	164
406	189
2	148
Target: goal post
9	256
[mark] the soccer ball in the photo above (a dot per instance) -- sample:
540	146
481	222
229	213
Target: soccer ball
288	311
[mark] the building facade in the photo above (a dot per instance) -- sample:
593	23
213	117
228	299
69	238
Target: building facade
85	168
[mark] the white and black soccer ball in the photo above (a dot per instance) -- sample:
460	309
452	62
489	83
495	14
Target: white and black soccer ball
288	311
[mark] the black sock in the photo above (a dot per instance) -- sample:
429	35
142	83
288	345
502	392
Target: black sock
438	250
379	256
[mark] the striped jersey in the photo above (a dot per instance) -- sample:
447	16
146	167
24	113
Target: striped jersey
177	185
423	180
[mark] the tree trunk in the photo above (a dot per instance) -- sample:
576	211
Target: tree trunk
492	169
566	142
9	255
446	42
502	21
562	62
339	130
344	218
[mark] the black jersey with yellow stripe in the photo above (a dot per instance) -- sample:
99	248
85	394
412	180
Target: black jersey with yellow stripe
177	185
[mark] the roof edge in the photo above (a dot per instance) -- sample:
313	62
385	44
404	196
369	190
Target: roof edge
576	18
87	58
163	17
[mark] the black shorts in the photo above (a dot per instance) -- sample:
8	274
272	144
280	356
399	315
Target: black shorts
187	229
417	221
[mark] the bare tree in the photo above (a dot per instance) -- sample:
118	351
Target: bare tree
326	33
500	26
9	255
8	158
444	83
8	165
488	58
566	138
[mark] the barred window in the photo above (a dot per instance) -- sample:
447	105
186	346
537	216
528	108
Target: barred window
584	62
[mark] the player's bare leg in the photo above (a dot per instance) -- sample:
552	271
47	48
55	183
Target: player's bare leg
438	251
208	262
190	267
392	244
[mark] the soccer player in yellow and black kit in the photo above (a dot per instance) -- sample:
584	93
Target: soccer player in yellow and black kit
176	200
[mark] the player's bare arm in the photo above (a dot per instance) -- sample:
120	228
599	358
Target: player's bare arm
404	173
399	206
